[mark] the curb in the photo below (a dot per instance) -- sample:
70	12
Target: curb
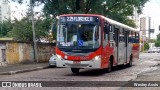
21	71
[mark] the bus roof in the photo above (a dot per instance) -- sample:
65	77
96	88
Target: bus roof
109	20
120	24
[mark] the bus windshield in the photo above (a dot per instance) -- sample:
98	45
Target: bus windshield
78	36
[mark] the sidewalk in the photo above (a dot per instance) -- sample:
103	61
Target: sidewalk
20	68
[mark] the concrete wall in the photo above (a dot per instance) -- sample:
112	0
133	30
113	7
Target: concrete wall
12	53
18	52
44	52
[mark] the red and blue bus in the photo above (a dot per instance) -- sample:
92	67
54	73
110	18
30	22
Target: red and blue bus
94	41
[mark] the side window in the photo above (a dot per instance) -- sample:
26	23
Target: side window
131	38
106	33
121	35
136	37
106	30
115	36
111	32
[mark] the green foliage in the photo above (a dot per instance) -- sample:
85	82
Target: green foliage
5	27
157	43
114	9
42	27
118	10
146	46
158	37
22	30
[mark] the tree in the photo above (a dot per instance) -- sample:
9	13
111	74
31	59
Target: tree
22	29
146	46
42	27
118	10
157	43
115	9
158	37
5	27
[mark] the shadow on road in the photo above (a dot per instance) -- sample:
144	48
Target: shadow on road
98	72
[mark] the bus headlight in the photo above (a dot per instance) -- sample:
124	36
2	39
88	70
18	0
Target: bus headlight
97	57
65	57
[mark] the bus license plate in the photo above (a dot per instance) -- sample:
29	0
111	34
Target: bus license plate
76	62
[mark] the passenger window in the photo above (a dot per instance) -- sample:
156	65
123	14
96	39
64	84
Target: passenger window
106	30
121	35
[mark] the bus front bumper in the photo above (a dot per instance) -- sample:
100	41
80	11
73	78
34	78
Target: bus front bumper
94	63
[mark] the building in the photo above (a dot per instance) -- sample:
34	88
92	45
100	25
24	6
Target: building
5	11
146	24
135	17
143	26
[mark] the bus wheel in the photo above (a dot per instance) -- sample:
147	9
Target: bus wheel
109	69
130	61
75	70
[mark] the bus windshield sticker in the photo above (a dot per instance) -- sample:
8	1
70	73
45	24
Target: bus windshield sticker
80	42
66	44
74	37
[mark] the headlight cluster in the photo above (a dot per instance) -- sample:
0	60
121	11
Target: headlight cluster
97	57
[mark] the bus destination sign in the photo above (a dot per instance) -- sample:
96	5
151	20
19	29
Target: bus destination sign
77	18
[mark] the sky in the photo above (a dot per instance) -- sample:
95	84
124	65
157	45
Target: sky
150	9
18	10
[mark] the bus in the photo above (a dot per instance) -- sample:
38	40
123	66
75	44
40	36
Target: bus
95	42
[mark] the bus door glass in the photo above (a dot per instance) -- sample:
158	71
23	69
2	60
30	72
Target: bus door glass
116	39
121	48
126	34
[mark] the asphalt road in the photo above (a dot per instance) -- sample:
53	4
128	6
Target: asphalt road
146	63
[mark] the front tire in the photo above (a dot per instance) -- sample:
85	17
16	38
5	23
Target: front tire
130	61
75	70
109	69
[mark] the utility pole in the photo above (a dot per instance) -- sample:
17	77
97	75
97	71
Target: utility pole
149	28
33	29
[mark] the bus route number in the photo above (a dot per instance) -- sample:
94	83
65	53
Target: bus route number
79	19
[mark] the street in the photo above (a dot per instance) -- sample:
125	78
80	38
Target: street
147	63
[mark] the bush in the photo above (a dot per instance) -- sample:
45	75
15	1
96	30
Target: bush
146	46
157	43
